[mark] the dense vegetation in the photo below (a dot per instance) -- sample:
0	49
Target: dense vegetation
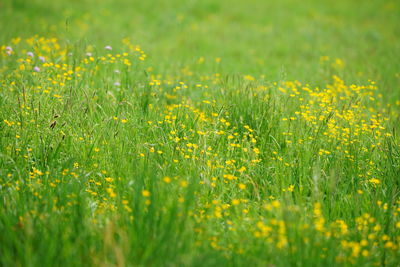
199	133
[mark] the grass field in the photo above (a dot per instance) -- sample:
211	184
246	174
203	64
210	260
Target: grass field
199	133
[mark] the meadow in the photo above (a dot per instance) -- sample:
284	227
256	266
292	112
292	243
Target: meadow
199	133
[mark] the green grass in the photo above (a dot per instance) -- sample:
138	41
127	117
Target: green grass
259	133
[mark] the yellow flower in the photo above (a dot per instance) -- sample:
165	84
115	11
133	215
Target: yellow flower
146	193
111	192
109	179
235	202
374	181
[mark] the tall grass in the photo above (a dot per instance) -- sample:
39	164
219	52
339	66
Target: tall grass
228	137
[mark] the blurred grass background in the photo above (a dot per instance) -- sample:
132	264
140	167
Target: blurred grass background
279	39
